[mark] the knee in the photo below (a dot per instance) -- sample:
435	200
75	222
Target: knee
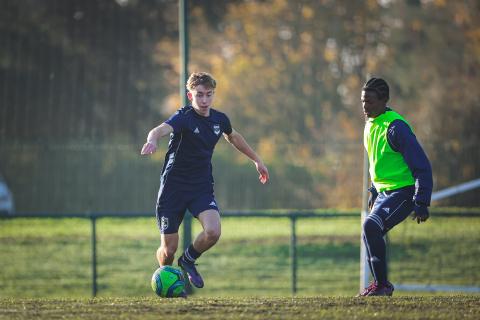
167	250
213	235
372	225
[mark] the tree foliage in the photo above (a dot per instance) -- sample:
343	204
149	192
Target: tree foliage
289	76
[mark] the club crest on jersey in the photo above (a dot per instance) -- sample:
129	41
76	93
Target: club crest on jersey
216	129
163	224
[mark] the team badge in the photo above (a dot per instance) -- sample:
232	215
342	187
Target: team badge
216	129
163	224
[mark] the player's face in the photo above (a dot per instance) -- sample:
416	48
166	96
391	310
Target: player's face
372	105
202	99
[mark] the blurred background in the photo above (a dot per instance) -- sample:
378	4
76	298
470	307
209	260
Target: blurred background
82	83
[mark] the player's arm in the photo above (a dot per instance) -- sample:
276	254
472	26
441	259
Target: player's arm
156	133
402	139
239	142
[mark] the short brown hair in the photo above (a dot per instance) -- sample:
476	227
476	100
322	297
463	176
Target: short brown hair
201	78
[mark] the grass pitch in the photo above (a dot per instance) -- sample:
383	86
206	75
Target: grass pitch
440	307
51	258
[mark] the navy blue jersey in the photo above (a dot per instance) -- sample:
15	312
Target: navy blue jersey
191	145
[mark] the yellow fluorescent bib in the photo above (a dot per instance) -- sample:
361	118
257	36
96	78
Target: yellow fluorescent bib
388	169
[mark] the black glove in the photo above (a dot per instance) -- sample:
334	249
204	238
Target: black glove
420	213
372	197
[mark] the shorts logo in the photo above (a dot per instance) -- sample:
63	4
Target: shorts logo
163	224
213	204
216	129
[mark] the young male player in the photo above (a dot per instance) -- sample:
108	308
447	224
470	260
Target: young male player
401	179
186	180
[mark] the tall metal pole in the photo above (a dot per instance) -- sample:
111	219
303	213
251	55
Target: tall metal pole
183	40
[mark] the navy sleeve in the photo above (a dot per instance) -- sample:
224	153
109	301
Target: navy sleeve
401	138
227	126
177	121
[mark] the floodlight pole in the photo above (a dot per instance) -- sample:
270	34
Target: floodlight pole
183	40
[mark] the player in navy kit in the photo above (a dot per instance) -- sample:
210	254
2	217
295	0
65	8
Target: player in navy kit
186	181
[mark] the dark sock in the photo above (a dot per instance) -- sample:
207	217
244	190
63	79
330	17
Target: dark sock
191	254
368	258
377	251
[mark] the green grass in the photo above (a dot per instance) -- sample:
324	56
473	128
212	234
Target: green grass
443	307
42	258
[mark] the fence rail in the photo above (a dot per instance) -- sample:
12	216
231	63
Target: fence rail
293	216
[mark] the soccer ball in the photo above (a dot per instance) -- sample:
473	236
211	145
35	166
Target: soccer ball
168	282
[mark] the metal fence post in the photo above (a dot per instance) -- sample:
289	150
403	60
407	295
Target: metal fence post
293	252
94	255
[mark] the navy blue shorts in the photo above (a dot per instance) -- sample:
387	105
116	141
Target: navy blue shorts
392	207
174	201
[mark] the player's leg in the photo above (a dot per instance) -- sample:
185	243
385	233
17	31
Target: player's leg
210	220
373	232
403	208
168	223
369	256
205	209
390	209
170	211
167	249
373	284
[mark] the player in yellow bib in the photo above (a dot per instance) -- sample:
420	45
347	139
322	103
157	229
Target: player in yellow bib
401	177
